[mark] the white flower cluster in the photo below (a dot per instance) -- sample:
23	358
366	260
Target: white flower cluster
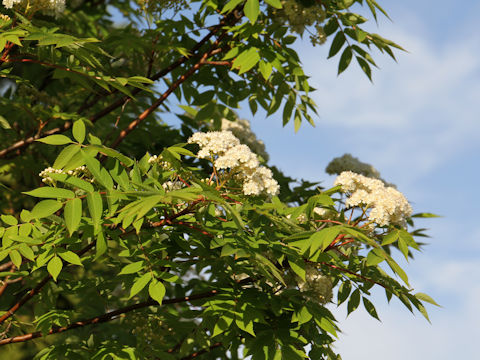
48	6
80	171
299	16
172	185
159	160
241	129
226	152
317	285
349	163
387	205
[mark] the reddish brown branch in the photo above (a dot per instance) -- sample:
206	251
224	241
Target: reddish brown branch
219	63
119	102
166	94
6	282
6	266
186	224
36	289
364	278
201	352
107	317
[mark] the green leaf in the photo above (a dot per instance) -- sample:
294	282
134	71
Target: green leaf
156	290
402	245
298	268
303	316
232	4
323	238
365	67
26	251
132	268
95	207
25	239
370	308
275	3
252	10
101	175
3	122
247	327
16	258
147	204
73	214
55	140
338	42
101	245
139	284
265	69
327	325
246	60
354	301
74	181
345	60
65	155
425	297
223	323
45	208
9	220
51	192
113	154
70	257
343	291
54	267
78	131
425	215
374	257
390	238
398	270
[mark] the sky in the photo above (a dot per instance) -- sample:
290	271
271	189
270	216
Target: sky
419	125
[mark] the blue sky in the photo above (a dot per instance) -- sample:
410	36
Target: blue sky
419	124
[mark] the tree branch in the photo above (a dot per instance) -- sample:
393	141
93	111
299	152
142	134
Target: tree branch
108	317
167	93
21	144
36	289
201	352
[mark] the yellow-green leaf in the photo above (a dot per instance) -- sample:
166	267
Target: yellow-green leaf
54	267
73	214
156	290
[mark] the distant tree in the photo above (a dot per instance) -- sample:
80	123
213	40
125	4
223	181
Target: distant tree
125	237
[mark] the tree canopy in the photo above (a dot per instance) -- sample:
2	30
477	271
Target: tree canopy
127	235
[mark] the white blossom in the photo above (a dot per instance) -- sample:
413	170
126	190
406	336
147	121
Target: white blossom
237	156
213	143
173	185
387	205
80	171
158	159
51	7
318	286
229	155
9	3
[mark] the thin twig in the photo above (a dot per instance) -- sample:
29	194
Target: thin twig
165	95
36	289
119	102
106	317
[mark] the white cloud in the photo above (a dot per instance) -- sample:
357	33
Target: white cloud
420	113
